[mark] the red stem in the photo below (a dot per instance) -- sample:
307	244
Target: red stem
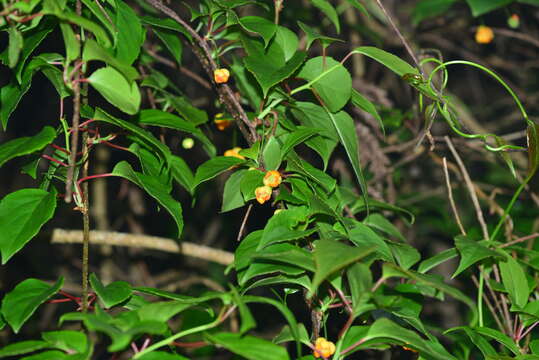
54	160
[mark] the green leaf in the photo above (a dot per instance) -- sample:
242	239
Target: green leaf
161	355
232	196
144	135
296	137
14	47
112	294
514	281
182	173
249	347
288	254
313	35
284	225
214	167
130	35
359	278
499	337
67	340
364	104
437	259
21	302
26	145
330	79
162	311
249	182
364	236
154	188
247	320
385	328
190	113
380	223
166	23
272	154
161	118
258	25
287	40
121	329
270	69
116	89
471	252
480	7
22	214
426	9
22	347
405	254
344	125
330	12
48	355
482	344
331	256
71	43
395	64
93	51
172	42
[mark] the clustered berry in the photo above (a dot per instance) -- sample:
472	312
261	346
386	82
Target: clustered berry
235	152
221	76
272	179
323	348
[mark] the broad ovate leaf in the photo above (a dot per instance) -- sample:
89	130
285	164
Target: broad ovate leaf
116	89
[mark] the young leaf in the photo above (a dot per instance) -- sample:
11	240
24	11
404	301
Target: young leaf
22	214
71	43
23	347
130	34
190	113
256	24
344	125
232	197
298	136
112	294
172	42
249	347
364	104
21	302
182	173
93	51
287	40
514	281
331	256
67	340
272	154
330	12
161	355
154	189
214	167
471	252
26	145
116	89
16	41
436	260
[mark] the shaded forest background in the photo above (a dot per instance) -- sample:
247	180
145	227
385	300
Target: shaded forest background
401	169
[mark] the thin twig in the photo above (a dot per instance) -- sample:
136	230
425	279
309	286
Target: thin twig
203	52
450	195
74	138
244	222
519	240
61	236
471	188
399	34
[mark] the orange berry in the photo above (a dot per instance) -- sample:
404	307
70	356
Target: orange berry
234	152
221	76
272	178
323	348
484	35
263	194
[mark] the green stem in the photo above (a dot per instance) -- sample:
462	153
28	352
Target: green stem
170	339
480	297
509	208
